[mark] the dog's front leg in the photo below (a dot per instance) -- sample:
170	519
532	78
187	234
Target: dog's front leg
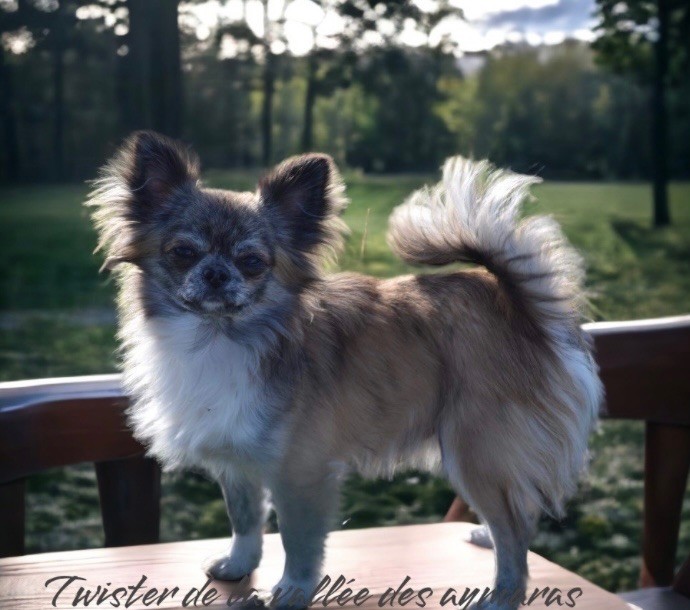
244	500
305	511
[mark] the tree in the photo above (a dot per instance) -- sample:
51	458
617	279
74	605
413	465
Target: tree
331	67
10	142
55	31
402	129
649	41
150	66
221	100
268	44
152	72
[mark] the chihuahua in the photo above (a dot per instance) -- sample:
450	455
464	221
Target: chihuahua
245	359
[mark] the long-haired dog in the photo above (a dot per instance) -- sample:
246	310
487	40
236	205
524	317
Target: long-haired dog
244	359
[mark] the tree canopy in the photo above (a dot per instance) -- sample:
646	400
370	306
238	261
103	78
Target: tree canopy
649	41
382	90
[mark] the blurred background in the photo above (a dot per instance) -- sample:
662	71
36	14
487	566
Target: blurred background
592	95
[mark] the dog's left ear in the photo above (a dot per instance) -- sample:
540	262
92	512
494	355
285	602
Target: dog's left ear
303	197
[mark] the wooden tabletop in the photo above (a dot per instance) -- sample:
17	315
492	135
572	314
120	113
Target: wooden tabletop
435	557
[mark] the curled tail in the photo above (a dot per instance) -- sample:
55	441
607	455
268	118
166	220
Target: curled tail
472	215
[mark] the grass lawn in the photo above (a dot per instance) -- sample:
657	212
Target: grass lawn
56	319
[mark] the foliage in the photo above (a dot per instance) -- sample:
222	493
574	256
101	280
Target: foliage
650	41
526	98
628	31
380	106
402	131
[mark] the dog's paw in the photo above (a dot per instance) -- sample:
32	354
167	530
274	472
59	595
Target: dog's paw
290	594
229	567
242	560
480	536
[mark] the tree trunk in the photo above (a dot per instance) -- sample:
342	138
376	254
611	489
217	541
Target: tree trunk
59	109
309	101
662	215
137	67
166	73
267	109
10	142
123	86
152	72
268	88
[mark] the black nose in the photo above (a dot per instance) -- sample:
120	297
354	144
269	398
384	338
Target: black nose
215	276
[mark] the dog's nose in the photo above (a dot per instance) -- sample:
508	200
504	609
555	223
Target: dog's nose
215	276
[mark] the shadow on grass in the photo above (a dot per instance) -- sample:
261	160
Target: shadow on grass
648	241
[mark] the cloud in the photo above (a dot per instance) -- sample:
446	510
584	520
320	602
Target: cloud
561	16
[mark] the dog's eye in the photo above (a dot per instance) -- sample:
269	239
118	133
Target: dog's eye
184	252
251	264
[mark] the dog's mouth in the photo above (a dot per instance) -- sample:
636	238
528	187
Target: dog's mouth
212	307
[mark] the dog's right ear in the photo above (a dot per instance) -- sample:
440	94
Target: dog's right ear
135	186
153	166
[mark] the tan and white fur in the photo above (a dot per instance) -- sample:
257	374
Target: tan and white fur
245	359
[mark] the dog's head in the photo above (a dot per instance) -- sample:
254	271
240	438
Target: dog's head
215	252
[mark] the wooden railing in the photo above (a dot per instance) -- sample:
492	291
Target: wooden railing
645	366
46	423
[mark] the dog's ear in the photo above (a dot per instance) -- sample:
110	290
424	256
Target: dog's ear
153	167
135	187
303	198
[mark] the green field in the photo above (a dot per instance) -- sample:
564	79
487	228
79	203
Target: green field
56	319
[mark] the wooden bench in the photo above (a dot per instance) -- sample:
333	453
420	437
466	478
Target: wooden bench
434	556
645	366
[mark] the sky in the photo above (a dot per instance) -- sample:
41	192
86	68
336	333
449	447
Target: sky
492	22
487	22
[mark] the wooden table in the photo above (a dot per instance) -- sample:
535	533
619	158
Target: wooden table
435	556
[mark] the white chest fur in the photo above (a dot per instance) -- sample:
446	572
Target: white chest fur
198	394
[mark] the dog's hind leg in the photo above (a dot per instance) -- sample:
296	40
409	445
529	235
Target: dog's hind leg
511	540
478	472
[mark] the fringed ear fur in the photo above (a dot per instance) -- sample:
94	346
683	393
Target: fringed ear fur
156	166
304	197
134	185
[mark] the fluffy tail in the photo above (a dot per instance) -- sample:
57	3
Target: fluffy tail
472	215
